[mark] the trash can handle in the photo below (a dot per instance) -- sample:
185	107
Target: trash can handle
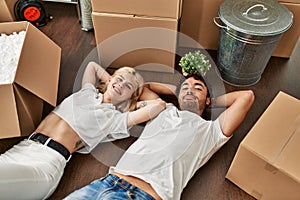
254	6
219	25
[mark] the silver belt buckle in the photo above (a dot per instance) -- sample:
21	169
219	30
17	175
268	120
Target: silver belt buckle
32	135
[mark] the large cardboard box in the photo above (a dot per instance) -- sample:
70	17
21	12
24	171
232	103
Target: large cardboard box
7	10
148	43
267	163
157	8
36	81
197	22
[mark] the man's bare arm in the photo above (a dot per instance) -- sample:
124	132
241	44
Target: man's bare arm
238	104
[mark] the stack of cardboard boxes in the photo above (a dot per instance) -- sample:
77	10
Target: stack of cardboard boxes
140	34
197	22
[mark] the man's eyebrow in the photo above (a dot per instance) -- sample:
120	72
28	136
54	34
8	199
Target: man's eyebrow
122	76
201	84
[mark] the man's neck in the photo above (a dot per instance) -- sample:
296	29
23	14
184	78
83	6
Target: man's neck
193	110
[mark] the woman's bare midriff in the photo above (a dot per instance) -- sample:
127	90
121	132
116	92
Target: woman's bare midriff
146	187
57	129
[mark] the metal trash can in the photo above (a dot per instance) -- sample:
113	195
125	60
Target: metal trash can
249	33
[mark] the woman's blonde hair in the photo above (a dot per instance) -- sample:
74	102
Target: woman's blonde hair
130	104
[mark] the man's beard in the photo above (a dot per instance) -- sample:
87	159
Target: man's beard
194	106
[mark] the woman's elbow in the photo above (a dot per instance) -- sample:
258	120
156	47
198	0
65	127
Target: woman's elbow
249	97
159	106
162	104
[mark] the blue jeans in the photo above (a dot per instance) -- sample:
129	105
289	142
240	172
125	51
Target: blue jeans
109	187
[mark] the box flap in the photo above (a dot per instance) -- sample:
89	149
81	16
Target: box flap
39	50
10	27
289	160
9	121
30	109
273	131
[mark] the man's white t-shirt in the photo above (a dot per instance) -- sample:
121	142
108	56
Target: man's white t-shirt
93	120
172	147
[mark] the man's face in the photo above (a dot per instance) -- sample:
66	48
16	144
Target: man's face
193	96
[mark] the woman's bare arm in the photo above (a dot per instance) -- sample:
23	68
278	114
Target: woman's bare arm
149	106
94	71
148	109
162	88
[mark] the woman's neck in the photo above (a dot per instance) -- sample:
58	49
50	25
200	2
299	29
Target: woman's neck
106	98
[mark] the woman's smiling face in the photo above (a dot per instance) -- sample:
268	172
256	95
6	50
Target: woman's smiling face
121	87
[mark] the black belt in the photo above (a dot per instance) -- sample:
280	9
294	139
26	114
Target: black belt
45	140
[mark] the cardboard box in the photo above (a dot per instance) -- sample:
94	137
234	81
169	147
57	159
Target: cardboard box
7	10
197	23
290	1
157	8
148	43
267	163
290	38
36	81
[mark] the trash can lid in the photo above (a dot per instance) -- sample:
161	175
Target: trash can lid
256	17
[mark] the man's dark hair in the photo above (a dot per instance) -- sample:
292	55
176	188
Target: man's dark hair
196	77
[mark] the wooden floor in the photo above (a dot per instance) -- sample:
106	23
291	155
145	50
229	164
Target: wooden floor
209	182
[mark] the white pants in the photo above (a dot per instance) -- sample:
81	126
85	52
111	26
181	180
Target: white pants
30	170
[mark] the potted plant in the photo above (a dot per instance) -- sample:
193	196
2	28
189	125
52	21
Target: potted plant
194	63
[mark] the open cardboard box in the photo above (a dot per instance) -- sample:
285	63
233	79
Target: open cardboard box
148	43
267	163
36	81
155	8
7	10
